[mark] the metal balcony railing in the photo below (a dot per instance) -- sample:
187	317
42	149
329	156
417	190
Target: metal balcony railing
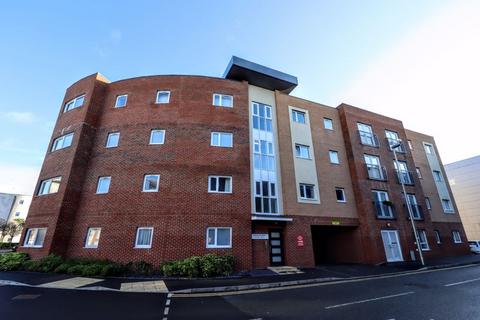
391	142
417	211
384	209
404	176
368	138
376	172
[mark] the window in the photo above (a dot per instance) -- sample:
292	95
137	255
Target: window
302	151
410	145
307	191
21	202
438	240
428	203
447	205
221	139
93	236
298	116
403	174
328	123
340	192
456	237
437	176
62	142
113	139
34	237
163	97
422	240
103	185
333	157
219	237
262	117
392	139
374	170
49	186
414	207
263	155
144	237
428	148
265	197
17	214
366	135
419	173
157	136
150	183
222	100
121	101
382	204
74	103
219	184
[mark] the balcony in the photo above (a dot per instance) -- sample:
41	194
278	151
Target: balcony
391	142
384	209
405	177
376	172
417	211
368	139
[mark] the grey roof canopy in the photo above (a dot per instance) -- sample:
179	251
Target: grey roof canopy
258	75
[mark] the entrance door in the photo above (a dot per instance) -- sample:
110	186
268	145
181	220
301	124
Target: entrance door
276	247
393	250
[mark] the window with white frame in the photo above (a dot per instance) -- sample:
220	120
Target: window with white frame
93	237
382	204
112	140
49	186
263	155
438	239
298	116
221	139
410	145
143	239
262	117
456	237
419	173
150	182
414	207
393	139
333	157
121	101
219	184
437	176
157	136
307	191
34	237
302	151
422	240
374	169
222	100
340	193
447	205
163	97
74	103
328	123
265	197
103	184
219	237
367	137
62	142
428	203
428	148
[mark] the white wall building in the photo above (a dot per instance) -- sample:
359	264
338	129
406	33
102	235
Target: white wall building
12	207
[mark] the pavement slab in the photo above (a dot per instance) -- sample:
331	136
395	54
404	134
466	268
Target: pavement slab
71	283
145	286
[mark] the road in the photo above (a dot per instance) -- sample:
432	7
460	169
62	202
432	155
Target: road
437	294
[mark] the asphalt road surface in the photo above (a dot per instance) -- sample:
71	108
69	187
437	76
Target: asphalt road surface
431	295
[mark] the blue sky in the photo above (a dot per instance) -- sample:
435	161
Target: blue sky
332	47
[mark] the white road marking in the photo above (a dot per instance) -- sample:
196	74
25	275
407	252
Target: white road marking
461	282
369	300
167	303
165	312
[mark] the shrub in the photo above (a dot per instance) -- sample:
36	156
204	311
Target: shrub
12	261
140	267
171	268
91	270
63	268
31	265
209	265
76	269
50	263
213	265
113	269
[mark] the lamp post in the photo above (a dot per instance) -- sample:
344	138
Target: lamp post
410	214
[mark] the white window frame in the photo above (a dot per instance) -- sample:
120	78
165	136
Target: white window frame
445	209
117	106
327	120
49	183
428	148
343	193
330	152
295	117
410	145
438	239
304	187
145	179
111	134
221	97
89	230
388	214
143	246
159	92
457	238
220	139
103	178
437	176
27	236
217	184
215	246
151	136
423	241
73	103
61	141
298	151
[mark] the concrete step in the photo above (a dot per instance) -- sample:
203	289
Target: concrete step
285	270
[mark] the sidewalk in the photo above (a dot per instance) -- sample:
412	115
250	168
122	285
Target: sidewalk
253	280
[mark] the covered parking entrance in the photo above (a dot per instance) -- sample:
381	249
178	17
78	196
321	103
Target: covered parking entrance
334	244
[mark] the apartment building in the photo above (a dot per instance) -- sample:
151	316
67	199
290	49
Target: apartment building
12	208
161	168
464	177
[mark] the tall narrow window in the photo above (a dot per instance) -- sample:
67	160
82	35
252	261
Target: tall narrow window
374	169
333	157
383	205
220	184
414	207
112	139
298	116
163	97
428	203
456	237
222	100
103	185
157	136
93	237
62	142
410	145
150	182
328	123
144	237
221	139
423	241
366	135
49	186
394	140
438	239
74	103
403	175
419	173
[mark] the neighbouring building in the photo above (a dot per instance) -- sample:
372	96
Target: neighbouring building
12	208
160	168
464	178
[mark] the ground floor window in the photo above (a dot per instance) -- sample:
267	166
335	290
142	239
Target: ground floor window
456	237
93	237
265	197
144	237
437	236
35	237
219	237
422	240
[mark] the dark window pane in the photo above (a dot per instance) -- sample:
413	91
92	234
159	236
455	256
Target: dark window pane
258	204
265	188
221	184
213	184
258	188
273	205
272	189
266	205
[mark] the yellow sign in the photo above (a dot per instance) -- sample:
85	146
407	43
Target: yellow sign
335	222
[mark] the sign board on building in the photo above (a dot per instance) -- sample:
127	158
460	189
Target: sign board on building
299	241
259	236
335	222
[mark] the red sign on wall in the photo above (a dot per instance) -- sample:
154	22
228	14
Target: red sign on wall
299	241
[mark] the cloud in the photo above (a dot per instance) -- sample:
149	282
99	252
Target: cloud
19	117
18	179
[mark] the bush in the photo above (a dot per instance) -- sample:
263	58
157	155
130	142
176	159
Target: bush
63	268
31	265
91	270
76	269
113	269
50	263
12	261
140	267
209	265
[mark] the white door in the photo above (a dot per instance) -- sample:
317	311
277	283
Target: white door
393	250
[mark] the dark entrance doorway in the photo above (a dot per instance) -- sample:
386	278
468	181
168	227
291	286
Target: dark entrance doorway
333	244
276	247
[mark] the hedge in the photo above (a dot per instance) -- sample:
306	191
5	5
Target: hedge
209	265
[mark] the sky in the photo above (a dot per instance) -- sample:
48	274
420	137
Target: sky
417	61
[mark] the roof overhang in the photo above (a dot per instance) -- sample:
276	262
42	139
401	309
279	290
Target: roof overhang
260	76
